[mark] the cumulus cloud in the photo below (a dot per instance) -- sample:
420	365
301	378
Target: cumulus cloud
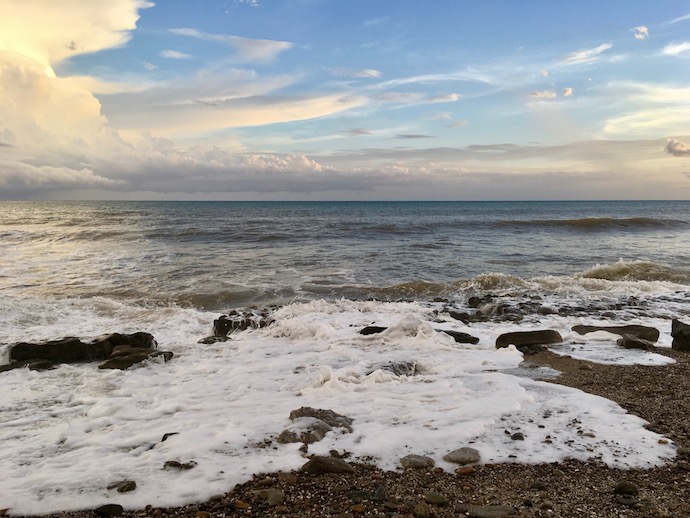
174	54
674	49
543	94
640	32
677	148
586	55
567	92
248	50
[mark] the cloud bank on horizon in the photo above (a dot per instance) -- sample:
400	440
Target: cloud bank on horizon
244	99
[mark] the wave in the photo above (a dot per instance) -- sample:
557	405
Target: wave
639	223
637	271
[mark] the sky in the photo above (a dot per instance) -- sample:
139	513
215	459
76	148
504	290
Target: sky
344	99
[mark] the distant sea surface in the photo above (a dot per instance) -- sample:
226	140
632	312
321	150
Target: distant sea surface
220	255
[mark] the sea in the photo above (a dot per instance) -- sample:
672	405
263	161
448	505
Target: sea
322	271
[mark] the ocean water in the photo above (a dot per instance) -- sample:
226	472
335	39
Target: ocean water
324	270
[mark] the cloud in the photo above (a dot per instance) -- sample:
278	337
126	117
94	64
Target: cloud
543	94
173	54
251	3
567	92
376	21
640	32
348	72
445	98
412	136
50	34
248	50
677	148
359	131
586	55
680	19
674	49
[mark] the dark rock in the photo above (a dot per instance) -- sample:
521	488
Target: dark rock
490	511
174	464
422	510
402	368
625	487
462	317
526	339
417	462
236	321
213	339
327	416
313	430
73	350
109	510
124	362
123	486
644	332
372	330
634	342
463	456
435	499
460	337
39	365
318	465
166	436
681	335
518	436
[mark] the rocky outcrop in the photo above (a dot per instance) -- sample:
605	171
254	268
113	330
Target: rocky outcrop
645	332
120	351
681	335
528	341
236	321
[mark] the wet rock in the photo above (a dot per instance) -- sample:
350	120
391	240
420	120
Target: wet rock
644	332
417	462
319	464
372	330
327	416
681	335
435	499
123	486
422	510
236	321
109	510
182	466
528	339
490	511
308	431
634	342
213	339
625	487
460	337
463	456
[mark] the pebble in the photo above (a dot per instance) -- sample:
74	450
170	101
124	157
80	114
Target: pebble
490	511
463	456
435	499
624	487
465	470
421	510
417	462
358	508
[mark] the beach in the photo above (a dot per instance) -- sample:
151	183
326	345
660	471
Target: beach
570	488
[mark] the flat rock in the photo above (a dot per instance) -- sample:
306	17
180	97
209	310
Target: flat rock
644	332
463	456
417	462
634	342
318	464
522	339
490	511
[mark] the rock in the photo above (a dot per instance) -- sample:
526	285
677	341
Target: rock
462	317
318	465
490	511
273	497
527	339
109	510
167	436
625	487
644	332
422	510
417	462
435	499
73	350
402	368
123	486
460	337
174	464
463	456
309	431
327	416
235	321
34	365
518	436
287	478
372	330
634	342
124	362
213	339
681	335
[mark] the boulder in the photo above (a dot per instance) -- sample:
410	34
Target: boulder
681	335
417	462
460	337
236	321
372	330
529	339
125	358
634	342
318	465
644	332
329	417
463	456
73	350
308	431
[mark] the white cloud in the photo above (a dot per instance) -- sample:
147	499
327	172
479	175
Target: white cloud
543	94
640	32
586	55
675	49
445	98
567	92
361	73
248	50
174	54
680	19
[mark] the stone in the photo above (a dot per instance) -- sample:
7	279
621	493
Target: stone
372	330
174	464
287	478
634	342
490	511
463	456
208	340
417	462
327	416
319	464
644	332
123	486
680	332
422	510
460	337
625	487
109	510
435	499
309	430
124	362
273	497
73	350
236	321
527	339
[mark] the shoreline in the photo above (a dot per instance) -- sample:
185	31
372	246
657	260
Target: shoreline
658	394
